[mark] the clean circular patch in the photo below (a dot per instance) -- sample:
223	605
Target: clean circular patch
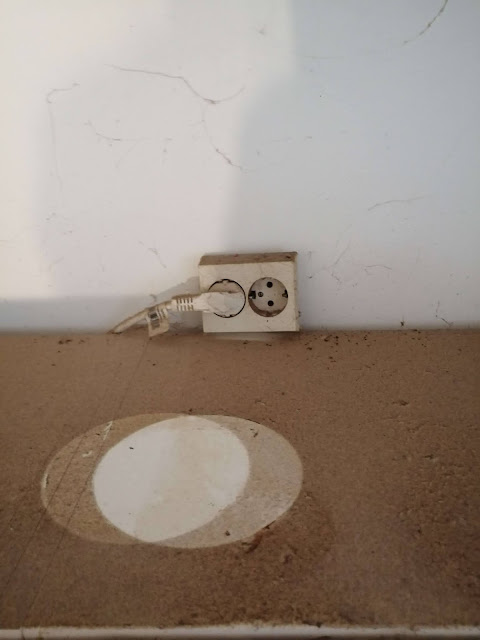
177	480
170	478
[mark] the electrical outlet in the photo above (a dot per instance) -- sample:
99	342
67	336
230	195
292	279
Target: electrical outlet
268	283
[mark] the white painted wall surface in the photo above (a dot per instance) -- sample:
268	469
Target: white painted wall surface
137	135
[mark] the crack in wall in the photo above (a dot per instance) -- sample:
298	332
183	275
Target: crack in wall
330	269
48	97
155	252
221	153
449	324
428	25
53	131
398	201
109	139
171	76
375	266
209	102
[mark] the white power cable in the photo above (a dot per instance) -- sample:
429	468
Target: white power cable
224	304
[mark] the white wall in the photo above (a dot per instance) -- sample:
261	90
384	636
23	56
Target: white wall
137	135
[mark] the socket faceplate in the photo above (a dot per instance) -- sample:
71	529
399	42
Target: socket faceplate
247	270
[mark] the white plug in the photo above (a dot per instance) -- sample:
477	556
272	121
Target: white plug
224	304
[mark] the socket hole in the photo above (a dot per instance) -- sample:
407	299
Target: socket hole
268	297
229	286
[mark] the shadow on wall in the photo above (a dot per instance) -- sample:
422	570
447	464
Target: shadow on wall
318	172
301	156
100	310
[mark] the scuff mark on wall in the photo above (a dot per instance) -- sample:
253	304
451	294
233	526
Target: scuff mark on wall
106	431
53	264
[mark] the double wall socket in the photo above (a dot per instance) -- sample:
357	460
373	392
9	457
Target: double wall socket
268	282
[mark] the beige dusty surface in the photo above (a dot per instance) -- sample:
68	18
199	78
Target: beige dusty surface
386	529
